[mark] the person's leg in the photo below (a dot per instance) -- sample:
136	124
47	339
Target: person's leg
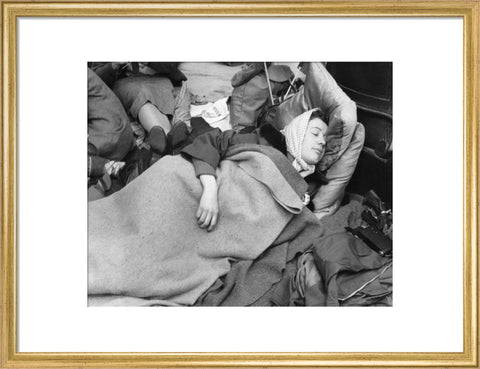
149	117
157	126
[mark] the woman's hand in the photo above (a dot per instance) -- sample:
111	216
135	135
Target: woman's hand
207	213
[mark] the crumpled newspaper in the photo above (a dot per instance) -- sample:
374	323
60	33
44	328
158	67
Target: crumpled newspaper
211	112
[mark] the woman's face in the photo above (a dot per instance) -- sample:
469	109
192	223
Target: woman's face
313	146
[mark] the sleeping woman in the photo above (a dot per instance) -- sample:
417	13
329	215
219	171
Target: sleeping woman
147	243
303	143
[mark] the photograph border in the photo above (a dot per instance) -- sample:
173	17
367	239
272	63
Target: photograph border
12	10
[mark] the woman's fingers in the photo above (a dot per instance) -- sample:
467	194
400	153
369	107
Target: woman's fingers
207	220
204	218
201	215
213	222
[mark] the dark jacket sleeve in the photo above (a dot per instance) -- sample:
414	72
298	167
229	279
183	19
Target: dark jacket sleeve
202	167
209	148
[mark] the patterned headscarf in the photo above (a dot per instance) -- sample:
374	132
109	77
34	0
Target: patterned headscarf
294	135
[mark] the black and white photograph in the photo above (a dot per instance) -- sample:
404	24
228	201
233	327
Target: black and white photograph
240	184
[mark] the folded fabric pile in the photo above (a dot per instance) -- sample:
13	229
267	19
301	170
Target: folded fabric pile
340	270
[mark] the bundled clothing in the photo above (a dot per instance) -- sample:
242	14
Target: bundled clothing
339	270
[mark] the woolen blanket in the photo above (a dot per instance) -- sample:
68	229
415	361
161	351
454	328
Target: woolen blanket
145	247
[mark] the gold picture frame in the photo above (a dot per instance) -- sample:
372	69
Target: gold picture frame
467	10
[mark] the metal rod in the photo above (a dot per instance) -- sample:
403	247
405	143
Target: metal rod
268	82
291	83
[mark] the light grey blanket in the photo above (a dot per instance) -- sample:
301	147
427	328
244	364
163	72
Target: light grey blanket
145	247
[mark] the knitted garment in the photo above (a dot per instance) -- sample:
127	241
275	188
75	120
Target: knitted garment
294	135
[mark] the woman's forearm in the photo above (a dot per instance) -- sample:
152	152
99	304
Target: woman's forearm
207	212
208	181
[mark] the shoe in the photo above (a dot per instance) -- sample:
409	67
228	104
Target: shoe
249	70
136	162
177	77
157	139
177	137
170	70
